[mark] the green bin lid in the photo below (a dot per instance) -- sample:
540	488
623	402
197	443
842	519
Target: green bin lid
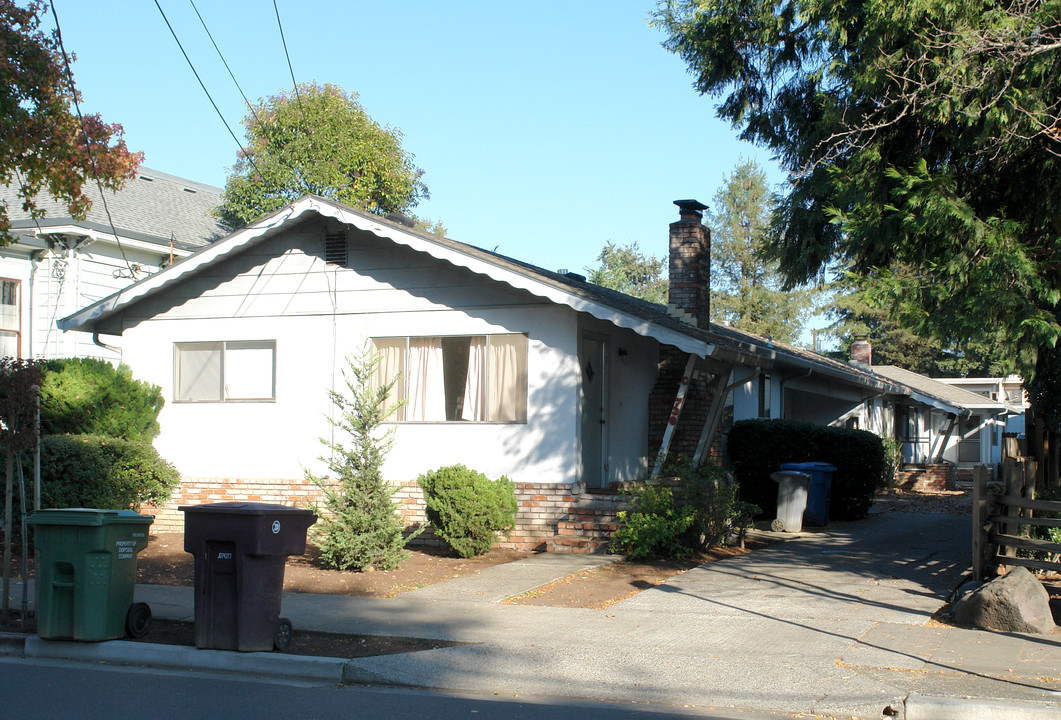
89	517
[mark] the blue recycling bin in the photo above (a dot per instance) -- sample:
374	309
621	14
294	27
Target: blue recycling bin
818	496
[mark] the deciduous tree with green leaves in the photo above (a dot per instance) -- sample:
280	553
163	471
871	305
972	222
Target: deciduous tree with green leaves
44	146
923	145
318	140
626	269
747	288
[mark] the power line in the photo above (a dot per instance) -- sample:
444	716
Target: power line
298	97
84	134
249	158
224	62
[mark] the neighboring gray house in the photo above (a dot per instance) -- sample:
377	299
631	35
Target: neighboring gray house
58	265
565	387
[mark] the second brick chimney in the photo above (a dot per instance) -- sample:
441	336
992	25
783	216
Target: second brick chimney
689	298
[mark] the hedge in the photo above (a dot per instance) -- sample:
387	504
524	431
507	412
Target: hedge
102	472
758	447
92	397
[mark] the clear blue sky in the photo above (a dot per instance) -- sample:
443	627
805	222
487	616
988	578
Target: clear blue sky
545	129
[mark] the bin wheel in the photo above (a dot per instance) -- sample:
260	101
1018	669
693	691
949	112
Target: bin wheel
282	636
778	525
138	620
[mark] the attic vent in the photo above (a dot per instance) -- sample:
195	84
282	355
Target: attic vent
335	248
189	190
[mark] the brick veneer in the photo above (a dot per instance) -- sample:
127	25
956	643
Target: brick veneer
932	477
542	506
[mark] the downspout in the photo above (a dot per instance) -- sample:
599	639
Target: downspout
34	262
100	343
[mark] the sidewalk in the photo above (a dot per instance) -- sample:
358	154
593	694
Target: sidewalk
832	623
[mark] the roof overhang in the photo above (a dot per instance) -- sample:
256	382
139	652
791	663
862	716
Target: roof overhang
482	264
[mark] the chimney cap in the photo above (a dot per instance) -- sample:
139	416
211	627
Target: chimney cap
685	206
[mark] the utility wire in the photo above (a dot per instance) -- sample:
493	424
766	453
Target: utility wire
298	96
84	134
224	62
249	158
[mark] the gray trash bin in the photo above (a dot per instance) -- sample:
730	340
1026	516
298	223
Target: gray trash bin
791	500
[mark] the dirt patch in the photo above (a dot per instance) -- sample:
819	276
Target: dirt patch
165	562
604	586
954	502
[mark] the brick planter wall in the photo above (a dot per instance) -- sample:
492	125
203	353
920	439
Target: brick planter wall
542	506
931	477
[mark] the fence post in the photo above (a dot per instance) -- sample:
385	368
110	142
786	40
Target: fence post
1013	477
979	521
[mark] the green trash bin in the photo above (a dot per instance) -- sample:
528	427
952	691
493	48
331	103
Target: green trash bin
88	572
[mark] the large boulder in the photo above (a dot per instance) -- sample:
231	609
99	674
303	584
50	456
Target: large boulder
1016	602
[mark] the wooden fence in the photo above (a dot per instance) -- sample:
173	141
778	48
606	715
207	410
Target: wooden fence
1004	511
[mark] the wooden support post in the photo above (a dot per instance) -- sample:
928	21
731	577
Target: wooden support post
1013	477
979	521
714	415
675	413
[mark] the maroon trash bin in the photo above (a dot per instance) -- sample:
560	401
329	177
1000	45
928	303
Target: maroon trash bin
240	551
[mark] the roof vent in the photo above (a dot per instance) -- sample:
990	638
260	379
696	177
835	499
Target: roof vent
401	219
335	248
189	190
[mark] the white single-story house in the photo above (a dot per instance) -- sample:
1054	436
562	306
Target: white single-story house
565	387
59	264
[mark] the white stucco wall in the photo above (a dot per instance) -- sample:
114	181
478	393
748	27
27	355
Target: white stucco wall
282	291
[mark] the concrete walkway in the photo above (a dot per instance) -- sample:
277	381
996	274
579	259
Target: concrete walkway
834	623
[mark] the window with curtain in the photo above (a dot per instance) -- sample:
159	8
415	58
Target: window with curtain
235	371
476	378
10	319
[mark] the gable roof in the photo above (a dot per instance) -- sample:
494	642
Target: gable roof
954	396
151	207
645	318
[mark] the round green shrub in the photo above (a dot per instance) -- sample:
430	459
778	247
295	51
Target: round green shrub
468	509
88	396
103	472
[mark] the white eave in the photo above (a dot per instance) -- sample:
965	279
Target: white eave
105	237
496	270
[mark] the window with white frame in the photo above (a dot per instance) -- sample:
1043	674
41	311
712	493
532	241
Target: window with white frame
232	371
477	378
10	319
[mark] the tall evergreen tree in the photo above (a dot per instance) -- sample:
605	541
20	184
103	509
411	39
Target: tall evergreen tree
923	145
747	289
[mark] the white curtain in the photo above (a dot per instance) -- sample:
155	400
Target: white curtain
508	378
391	368
427	388
474	386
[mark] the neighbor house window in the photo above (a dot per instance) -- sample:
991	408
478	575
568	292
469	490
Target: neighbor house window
969	443
10	319
478	378
234	371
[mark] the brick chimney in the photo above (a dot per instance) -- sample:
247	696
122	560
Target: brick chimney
862	353
689	298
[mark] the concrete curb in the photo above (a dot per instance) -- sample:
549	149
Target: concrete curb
925	707
299	668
